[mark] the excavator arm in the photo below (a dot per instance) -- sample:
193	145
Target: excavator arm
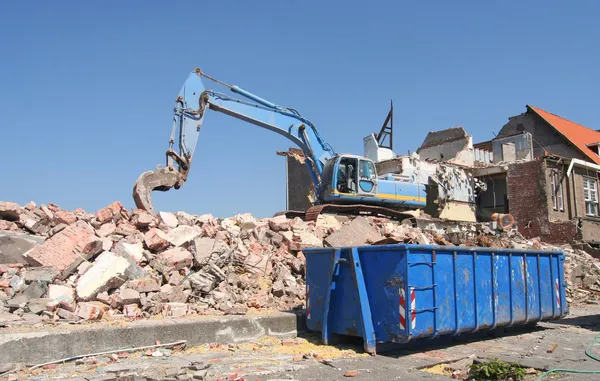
190	107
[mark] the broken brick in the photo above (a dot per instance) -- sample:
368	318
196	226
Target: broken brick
173	259
64	217
89	311
108	213
66	250
156	240
106	229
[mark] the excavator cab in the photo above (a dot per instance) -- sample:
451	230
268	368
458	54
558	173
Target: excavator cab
349	177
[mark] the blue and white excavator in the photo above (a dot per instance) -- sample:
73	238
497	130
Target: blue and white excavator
343	183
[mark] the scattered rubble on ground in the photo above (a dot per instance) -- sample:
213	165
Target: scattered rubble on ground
73	265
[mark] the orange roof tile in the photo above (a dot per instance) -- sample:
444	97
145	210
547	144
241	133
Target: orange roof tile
580	136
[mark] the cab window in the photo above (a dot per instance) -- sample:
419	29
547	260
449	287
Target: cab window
367	170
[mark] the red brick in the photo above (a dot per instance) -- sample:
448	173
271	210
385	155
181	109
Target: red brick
106	229
8	225
66	250
529	204
174	259
109	212
156	240
65	217
89	311
143	219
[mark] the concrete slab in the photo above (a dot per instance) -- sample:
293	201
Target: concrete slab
40	345
14	245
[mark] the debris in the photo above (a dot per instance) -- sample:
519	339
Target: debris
180	264
169	219
66	250
156	240
108	213
358	232
174	259
109	271
552	348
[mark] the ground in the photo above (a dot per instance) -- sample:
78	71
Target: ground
305	359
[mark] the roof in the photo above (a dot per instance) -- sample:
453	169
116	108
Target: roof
435	138
580	136
486	146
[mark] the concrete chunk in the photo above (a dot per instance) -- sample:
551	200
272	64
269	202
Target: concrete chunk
110	270
203	249
37	306
133	250
175	309
357	233
129	296
13	246
280	223
169	219
66	250
183	234
61	293
203	281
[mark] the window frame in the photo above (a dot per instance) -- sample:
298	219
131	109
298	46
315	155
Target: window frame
558	202
587	182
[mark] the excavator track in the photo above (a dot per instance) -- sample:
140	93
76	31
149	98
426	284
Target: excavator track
313	213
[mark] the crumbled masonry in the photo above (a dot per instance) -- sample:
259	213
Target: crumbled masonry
129	264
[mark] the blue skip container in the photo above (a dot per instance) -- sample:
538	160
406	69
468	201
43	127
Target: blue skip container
399	293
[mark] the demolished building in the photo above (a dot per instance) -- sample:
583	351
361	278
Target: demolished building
541	169
544	171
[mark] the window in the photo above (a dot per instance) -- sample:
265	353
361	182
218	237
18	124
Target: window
590	193
367	170
557	191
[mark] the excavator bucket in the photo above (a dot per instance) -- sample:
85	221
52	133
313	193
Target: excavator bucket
159	180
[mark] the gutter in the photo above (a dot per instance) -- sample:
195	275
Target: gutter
582	163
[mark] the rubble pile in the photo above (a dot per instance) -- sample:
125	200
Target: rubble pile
72	265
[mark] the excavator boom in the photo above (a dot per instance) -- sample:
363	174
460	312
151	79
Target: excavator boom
190	107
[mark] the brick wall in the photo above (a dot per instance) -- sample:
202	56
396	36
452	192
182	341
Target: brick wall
528	202
299	183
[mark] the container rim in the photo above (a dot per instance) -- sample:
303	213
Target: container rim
410	246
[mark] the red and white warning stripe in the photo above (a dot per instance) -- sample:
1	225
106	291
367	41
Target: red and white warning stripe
413	308
307	302
557	295
413	305
402	311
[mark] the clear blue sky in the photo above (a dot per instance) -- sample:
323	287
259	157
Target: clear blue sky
87	88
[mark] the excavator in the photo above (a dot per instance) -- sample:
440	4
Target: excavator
342	183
